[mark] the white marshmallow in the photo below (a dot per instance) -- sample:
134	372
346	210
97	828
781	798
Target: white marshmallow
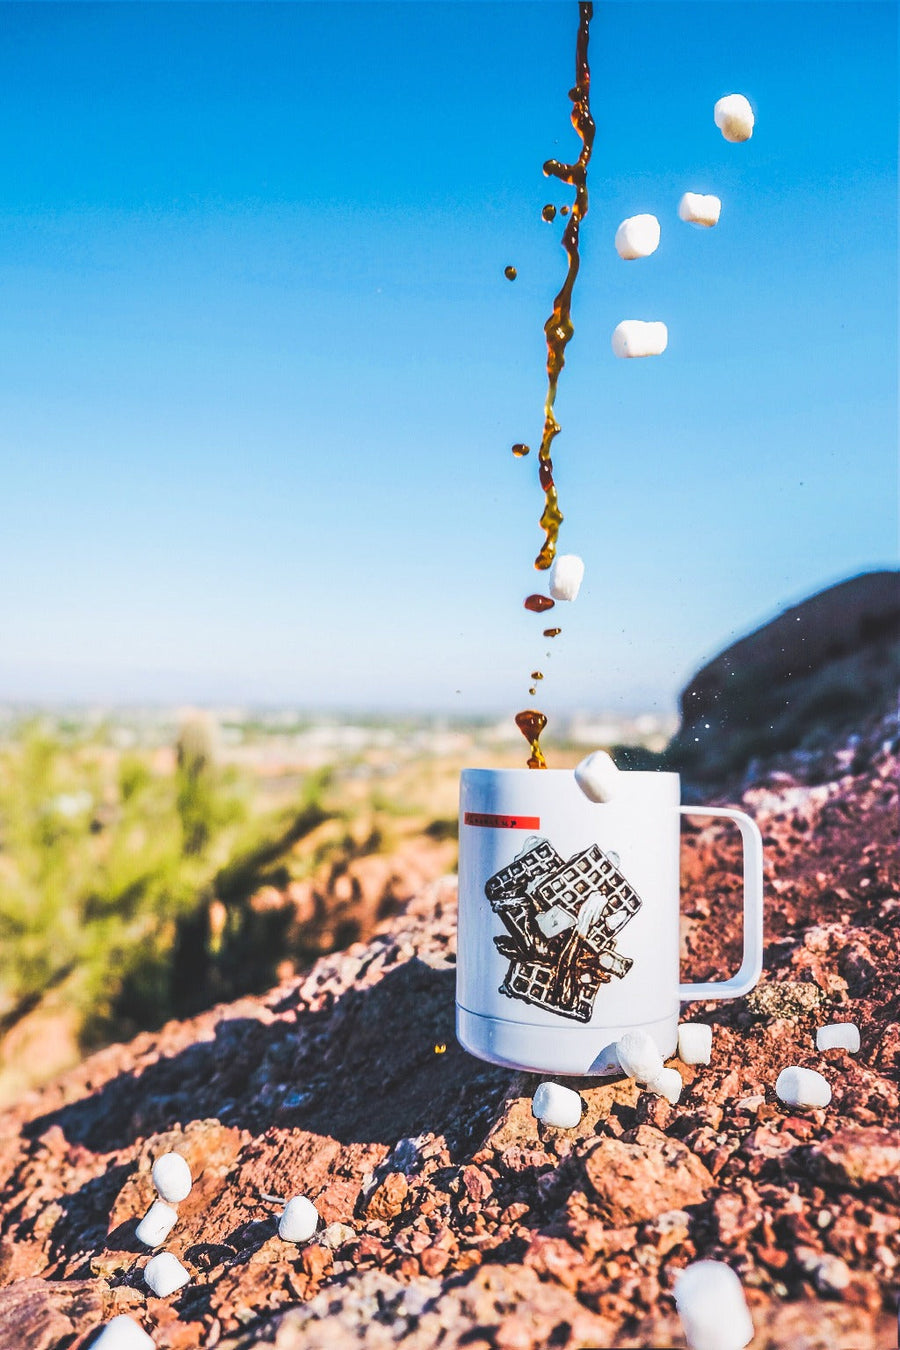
802	1087
157	1224
556	1105
694	1042
597	776
668	1083
634	337
122	1333
637	237
639	1056
566	576
734	117
698	209
164	1273
172	1177
838	1036
712	1307
299	1220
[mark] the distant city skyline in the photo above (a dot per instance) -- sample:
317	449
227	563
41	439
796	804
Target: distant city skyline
261	370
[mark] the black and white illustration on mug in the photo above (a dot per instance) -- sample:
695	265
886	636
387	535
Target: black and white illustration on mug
562	921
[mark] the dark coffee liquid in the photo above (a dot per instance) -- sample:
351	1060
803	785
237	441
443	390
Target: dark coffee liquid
510	273
558	331
539	603
521	450
531	723
549	212
552	632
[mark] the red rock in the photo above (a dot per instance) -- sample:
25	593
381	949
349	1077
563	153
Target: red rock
433	1260
867	1158
387	1201
633	1181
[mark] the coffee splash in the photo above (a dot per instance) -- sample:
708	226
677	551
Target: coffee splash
558	331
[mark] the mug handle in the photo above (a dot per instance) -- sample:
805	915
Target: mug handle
751	964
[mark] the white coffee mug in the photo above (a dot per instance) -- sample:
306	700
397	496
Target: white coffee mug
569	917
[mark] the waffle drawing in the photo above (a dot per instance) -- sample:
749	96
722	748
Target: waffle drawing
562	921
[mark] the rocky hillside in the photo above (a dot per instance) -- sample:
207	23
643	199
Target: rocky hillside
449	1217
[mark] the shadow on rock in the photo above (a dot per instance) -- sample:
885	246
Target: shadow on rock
381	1064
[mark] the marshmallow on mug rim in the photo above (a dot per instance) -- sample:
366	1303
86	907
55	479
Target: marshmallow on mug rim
712	1307
802	1087
157	1224
556	1105
639	1056
299	1220
123	1333
597	776
637	237
698	209
172	1177
694	1042
164	1274
635	337
566	576
734	117
838	1036
667	1083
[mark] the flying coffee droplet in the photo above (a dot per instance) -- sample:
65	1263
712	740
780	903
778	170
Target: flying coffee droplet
537	675
538	603
532	691
549	212
564	210
520	451
531	723
510	273
552	632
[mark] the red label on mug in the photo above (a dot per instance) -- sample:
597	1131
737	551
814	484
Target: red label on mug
502	822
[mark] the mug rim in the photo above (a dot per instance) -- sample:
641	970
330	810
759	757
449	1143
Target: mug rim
543	773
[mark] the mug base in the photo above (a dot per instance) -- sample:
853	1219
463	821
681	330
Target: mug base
583	1052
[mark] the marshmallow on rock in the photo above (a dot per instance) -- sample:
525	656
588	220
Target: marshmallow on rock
711	1304
734	117
637	237
164	1274
698	209
556	1105
157	1224
122	1333
802	1087
667	1083
597	776
694	1042
838	1036
635	337
566	576
299	1220
639	1056
172	1177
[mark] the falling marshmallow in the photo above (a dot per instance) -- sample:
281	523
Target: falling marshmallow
122	1333
597	776
698	209
637	237
634	337
838	1036
734	117
556	1105
299	1220
694	1043
802	1087
711	1304
172	1177
566	576
157	1224
667	1083
639	1056
164	1274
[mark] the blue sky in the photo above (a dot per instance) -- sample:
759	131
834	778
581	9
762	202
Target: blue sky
260	369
